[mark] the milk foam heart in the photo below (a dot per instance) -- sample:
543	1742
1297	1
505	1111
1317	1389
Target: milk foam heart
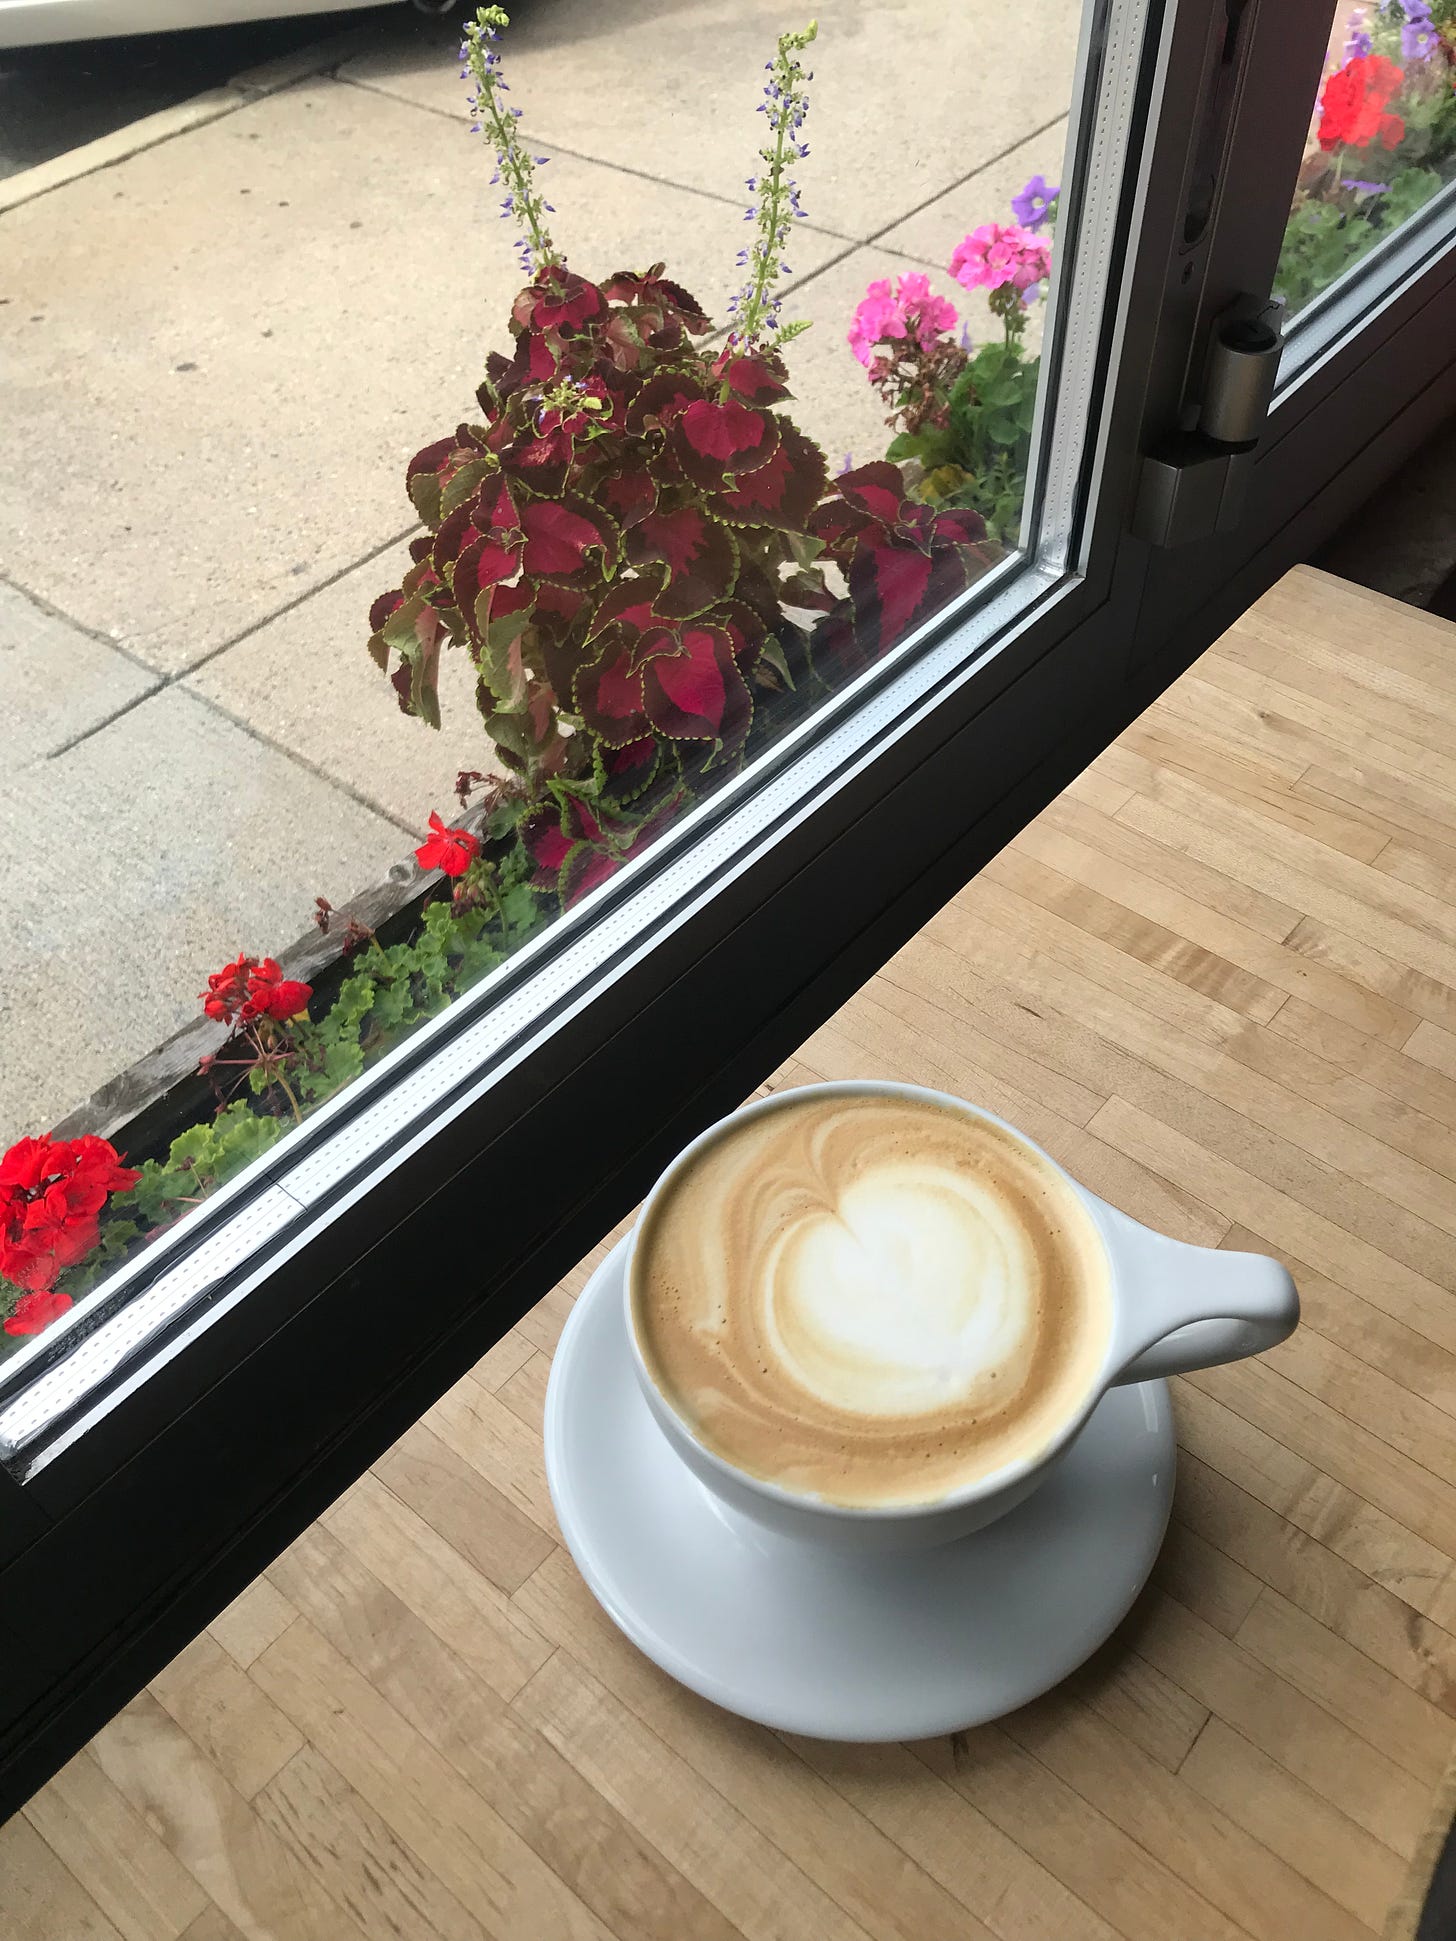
873	1299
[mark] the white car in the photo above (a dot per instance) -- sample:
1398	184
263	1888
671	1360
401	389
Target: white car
30	23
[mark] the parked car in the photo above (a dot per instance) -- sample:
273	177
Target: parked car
32	23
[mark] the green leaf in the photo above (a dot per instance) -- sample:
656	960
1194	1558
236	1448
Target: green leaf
773	652
520	910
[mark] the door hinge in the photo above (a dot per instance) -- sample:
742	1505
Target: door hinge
1193	483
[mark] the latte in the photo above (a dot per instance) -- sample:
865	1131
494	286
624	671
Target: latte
873	1299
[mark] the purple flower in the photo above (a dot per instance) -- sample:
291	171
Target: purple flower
1418	37
1366	188
1036	202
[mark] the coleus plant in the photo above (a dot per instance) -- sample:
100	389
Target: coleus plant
635	542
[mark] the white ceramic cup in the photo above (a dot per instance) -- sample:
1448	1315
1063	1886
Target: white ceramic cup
1174	1307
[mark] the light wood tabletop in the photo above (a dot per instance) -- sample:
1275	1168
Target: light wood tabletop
1217	979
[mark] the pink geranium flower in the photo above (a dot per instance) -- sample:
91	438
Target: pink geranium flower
999	253
910	310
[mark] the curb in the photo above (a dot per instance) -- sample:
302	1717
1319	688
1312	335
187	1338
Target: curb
253	84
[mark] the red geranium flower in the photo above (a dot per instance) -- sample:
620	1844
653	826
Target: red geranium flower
272	995
1353	105
51	1195
250	988
449	850
35	1312
227	989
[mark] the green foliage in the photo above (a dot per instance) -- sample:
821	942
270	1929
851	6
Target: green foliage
1324	238
978	456
373	1010
198	1161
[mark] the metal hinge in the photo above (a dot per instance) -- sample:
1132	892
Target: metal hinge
1193	483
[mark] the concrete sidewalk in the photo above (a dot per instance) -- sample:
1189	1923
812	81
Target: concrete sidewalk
221	349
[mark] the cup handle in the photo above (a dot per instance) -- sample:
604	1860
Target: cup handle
1181	1307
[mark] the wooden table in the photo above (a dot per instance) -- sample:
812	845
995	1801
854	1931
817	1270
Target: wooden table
1217	979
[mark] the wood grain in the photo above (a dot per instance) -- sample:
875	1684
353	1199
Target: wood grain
1217	978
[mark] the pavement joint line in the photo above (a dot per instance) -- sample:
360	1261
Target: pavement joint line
53	612
180	675
1031	135
355	795
95	728
319	586
714	195
180	118
580	155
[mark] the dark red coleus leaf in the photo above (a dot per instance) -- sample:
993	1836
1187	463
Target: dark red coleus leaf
557	607
651	286
712	441
630	604
745	630
662	400
537	358
960	527
608	696
561	537
542	460
697	693
752	379
629	496
386	604
636	760
558	301
835	524
888	585
484	563
546	842
460	529
631	335
701	558
582	870
877	490
781	493
424	477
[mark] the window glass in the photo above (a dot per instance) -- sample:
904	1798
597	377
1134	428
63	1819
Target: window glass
434	470
1382	139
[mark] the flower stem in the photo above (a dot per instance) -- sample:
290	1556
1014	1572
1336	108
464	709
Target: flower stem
288	1094
755	309
514	166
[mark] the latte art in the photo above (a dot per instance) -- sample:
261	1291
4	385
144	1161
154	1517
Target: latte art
871	1298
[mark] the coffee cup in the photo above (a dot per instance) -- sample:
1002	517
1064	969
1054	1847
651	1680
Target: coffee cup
1081	1299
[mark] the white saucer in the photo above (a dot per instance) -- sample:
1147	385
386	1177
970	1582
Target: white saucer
833	1646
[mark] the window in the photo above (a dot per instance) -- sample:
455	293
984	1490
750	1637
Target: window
744	679
667	542
1382	140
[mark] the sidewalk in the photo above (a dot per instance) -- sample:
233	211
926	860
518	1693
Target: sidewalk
220	351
